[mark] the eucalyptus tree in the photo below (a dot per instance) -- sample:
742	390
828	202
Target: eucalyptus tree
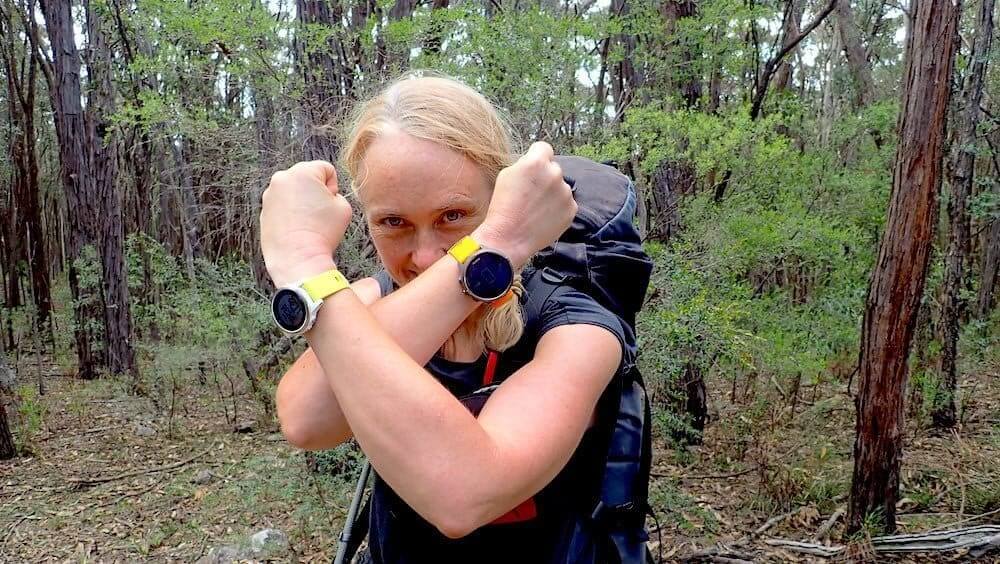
961	174
65	91
898	281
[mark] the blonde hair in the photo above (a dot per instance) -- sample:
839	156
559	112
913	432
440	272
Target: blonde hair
443	110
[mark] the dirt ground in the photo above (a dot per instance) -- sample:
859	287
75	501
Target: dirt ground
113	478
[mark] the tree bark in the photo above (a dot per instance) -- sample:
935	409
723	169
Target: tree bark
857	60
962	161
7	447
792	22
21	88
327	83
81	205
990	271
103	161
897	282
626	80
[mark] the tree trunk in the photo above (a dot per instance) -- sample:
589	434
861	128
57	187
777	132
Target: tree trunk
320	72
771	66
81	205
990	270
437	29
103	156
897	283
687	82
264	124
188	205
626	80
962	161
857	60
829	105
21	88
792	22
695	398
7	449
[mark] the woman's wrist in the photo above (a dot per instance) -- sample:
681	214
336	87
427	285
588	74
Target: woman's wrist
487	236
300	270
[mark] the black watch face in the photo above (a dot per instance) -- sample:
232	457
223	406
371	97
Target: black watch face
289	310
488	276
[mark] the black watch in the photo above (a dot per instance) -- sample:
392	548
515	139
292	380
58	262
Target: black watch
487	274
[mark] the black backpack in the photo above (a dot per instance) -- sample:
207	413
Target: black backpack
600	255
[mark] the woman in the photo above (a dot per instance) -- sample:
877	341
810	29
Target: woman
430	164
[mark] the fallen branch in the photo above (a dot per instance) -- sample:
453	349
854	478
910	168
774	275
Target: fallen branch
966	520
115	501
806	547
991	544
719	553
824	529
704	476
10	530
775	520
980	539
83	482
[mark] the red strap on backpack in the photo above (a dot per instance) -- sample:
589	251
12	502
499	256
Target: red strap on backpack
527	510
491	368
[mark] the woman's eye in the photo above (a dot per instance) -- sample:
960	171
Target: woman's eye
453	215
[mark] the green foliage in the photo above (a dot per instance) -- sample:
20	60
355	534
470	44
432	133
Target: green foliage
527	60
771	283
872	525
681	510
690	323
342	462
89	276
31	414
212	320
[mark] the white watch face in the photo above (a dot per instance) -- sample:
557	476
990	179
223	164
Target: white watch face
289	310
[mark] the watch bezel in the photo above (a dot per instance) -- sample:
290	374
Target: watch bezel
463	279
311	306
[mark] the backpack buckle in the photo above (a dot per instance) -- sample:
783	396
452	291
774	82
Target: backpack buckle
552	276
613	514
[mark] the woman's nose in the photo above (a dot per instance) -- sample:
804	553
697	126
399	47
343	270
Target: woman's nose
427	254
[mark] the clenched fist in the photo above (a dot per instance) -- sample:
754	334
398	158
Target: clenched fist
531	206
303	219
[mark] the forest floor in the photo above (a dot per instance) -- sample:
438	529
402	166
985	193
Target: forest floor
114	478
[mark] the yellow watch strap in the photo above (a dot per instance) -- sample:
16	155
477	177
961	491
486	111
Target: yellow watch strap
464	248
325	285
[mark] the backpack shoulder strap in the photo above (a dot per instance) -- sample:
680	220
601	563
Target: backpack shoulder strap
620	510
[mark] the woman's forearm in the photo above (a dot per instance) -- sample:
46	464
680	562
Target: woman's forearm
308	411
420	317
394	405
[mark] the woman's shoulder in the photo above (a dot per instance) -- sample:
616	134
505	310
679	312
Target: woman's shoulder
548	304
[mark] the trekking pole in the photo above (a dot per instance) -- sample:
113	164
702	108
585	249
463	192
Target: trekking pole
359	492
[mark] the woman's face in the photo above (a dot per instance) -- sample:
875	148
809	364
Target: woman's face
419	198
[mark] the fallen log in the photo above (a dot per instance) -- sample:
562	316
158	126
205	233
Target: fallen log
978	540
